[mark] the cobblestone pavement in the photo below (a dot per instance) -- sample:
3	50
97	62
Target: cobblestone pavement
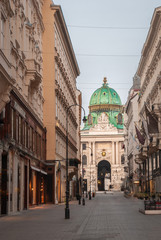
107	216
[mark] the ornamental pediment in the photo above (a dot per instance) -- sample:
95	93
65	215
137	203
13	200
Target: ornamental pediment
104	124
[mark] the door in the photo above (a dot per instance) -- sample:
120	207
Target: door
104	169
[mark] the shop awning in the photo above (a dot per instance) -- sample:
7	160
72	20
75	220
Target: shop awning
38	170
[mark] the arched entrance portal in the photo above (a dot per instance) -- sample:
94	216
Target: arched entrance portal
104	174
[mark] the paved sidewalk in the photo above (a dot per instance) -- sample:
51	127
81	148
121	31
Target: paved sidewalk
107	216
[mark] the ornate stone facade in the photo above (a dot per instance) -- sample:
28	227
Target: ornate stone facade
131	142
103	136
22	134
149	72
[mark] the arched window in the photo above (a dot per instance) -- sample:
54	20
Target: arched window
84	160
119	118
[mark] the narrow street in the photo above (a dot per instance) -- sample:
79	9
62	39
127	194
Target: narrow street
107	216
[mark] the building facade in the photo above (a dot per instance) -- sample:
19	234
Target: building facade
102	141
149	156
132	146
22	134
60	93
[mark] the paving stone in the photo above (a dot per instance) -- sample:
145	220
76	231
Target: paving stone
107	216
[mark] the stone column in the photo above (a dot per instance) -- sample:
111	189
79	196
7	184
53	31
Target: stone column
94	154
117	160
94	163
113	153
89	153
89	165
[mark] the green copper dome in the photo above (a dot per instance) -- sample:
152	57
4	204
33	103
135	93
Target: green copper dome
105	95
105	102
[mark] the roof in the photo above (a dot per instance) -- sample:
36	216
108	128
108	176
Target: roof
105	95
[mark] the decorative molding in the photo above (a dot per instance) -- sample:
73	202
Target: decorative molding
107	156
8	8
104	124
153	94
65	75
151	69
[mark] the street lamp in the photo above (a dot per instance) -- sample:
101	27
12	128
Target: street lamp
83	200
67	212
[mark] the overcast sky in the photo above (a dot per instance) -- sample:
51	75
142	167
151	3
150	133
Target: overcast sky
107	37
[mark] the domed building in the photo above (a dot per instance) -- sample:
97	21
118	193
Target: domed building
102	140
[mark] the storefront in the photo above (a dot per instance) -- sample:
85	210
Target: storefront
22	157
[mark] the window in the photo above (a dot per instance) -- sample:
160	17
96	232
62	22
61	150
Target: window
119	118
31	138
84	160
122	159
17	129
20	130
2	31
25	134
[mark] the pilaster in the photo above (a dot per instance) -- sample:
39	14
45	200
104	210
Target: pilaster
113	153
117	160
94	154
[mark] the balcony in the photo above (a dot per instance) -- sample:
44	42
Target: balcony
33	75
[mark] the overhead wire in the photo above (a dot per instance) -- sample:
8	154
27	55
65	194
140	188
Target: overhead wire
83	54
108	27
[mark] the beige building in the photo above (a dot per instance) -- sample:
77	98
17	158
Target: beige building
131	142
102	140
149	71
61	96
22	135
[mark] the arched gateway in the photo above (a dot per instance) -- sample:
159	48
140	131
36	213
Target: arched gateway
104	175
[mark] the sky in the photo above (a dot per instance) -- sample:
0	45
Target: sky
107	38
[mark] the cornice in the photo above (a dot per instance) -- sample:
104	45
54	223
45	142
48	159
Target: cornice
60	21
63	99
105	107
155	27
151	69
65	75
153	94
